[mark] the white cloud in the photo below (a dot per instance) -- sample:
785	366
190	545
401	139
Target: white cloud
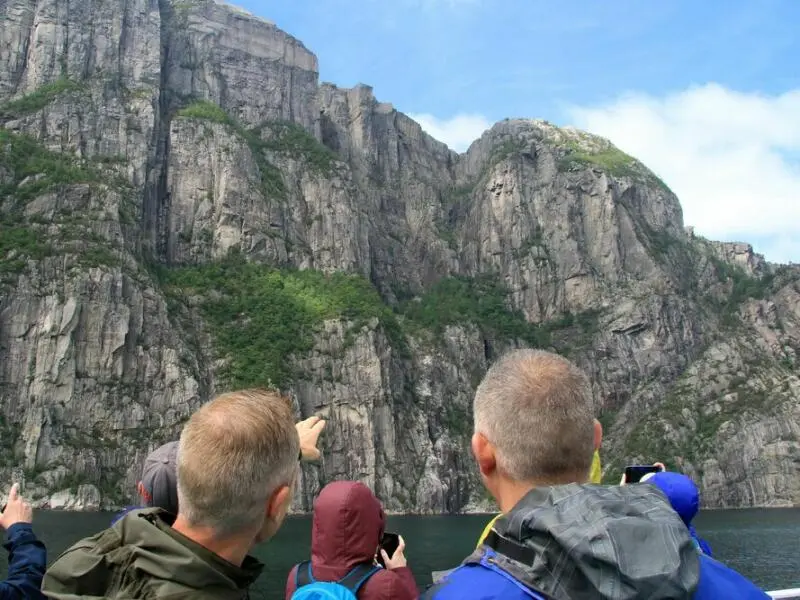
458	132
732	158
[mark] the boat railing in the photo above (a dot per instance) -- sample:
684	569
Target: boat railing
784	594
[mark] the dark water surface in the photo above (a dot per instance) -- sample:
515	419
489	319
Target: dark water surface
762	544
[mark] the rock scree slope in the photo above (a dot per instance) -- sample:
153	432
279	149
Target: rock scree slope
186	209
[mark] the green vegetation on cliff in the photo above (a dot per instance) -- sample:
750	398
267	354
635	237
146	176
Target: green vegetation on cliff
610	159
28	169
272	185
259	316
282	137
206	111
482	301
742	287
39	99
685	427
294	140
18	244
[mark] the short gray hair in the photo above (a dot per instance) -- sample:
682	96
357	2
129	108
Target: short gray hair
234	453
536	408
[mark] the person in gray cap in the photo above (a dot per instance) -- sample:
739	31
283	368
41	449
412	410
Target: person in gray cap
158	487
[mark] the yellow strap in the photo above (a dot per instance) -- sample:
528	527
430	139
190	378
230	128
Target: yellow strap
487	529
596	473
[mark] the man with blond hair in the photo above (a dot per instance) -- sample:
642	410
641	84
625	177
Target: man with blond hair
560	537
237	469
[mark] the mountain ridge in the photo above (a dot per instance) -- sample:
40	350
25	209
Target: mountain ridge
180	195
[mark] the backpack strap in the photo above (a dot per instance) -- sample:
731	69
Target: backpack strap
510	548
303	575
499	545
358	577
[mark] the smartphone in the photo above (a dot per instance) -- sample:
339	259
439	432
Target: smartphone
634	473
389	543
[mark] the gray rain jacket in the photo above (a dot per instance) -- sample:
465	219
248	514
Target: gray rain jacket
575	542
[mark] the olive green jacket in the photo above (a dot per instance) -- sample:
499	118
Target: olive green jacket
141	556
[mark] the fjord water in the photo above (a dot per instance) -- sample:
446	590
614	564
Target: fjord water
761	543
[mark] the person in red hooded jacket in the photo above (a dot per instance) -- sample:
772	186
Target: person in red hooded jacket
347	527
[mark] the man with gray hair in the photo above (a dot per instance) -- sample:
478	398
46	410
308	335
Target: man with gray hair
559	537
237	466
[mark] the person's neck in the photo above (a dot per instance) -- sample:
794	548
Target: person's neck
510	492
234	549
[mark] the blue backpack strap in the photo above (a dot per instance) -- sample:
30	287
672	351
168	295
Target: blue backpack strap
358	576
303	575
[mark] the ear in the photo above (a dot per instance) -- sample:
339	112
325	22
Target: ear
485	454
279	502
146	499
598	434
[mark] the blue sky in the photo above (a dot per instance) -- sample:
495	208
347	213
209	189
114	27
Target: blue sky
707	93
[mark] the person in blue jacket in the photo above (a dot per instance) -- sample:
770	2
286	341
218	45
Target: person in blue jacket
27	556
561	538
684	497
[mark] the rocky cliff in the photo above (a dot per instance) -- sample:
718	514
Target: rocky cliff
186	209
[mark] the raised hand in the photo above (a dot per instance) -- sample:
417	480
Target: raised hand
309	432
398	559
16	510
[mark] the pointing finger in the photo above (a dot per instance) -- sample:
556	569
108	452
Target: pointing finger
309	422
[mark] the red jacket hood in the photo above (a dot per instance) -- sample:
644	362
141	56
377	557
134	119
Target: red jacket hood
347	528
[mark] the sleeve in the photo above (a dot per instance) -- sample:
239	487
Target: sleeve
402	585
290	585
27	562
469	582
437	591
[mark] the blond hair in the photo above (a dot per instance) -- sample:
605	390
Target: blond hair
536	408
234	453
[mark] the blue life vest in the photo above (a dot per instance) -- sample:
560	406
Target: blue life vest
485	580
308	588
718	582
481	579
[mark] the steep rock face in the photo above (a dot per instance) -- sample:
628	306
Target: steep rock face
405	444
180	197
731	418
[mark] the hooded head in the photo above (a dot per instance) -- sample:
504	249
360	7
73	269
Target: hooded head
680	490
348	524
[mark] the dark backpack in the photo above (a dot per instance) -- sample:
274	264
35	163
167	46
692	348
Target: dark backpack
308	588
